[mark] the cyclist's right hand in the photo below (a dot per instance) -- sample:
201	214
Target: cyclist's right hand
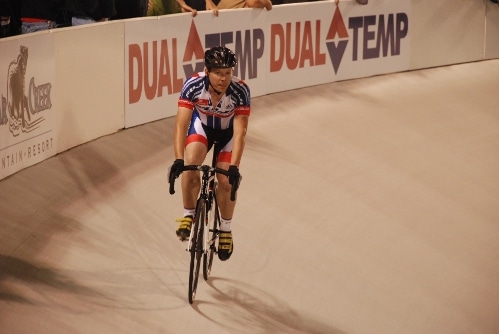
175	170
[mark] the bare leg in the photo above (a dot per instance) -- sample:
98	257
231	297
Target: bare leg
195	154
225	243
223	195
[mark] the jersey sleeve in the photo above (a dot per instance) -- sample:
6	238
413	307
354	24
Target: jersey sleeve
243	106
189	91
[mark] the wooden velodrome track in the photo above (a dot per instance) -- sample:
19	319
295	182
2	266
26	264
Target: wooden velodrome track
367	206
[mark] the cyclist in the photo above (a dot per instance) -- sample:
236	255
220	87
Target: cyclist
213	106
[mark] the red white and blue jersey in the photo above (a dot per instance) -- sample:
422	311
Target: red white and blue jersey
235	101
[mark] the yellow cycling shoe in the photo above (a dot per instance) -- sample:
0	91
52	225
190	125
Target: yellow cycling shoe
184	228
225	246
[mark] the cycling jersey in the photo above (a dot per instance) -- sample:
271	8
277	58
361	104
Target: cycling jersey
235	101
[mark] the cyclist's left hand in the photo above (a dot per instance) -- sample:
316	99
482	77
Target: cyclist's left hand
234	176
175	170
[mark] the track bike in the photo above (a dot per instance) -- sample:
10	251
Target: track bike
203	239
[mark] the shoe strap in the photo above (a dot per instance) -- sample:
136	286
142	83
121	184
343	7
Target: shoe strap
184	219
225	238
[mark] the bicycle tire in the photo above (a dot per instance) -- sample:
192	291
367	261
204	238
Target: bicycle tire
213	223
196	249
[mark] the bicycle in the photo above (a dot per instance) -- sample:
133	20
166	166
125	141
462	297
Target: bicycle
202	242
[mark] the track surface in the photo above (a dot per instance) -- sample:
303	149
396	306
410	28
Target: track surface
367	206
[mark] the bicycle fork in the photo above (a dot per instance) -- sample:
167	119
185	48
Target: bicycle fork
208	242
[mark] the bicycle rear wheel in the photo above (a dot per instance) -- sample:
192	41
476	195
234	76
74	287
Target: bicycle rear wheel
196	249
213	223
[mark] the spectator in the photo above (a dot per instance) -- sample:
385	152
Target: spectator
228	4
215	5
284	2
5	17
163	7
15	19
90	11
126	9
199	5
39	15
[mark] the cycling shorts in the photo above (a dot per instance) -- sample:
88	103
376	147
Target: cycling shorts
221	139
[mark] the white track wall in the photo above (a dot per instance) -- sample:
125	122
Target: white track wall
65	87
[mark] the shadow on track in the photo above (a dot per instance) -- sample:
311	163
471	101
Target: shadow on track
242	307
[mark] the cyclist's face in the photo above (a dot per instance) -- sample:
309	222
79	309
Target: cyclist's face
220	78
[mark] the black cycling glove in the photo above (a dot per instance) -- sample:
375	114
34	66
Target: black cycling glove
234	176
176	169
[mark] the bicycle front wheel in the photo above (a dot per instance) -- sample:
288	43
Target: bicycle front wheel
196	248
213	223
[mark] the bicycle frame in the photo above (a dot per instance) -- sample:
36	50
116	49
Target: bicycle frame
207	194
205	222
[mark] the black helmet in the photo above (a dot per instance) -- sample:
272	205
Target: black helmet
219	57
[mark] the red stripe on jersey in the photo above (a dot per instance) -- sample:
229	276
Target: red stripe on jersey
243	110
185	104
